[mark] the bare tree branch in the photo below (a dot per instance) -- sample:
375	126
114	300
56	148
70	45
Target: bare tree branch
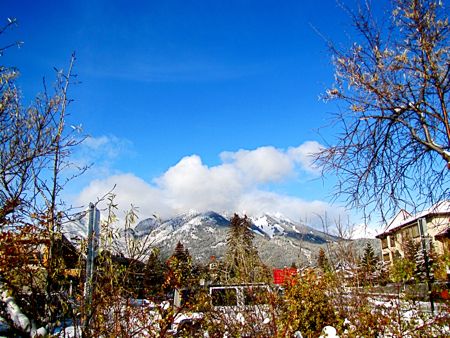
394	146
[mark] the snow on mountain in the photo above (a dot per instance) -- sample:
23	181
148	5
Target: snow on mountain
280	241
278	225
364	231
267	226
76	228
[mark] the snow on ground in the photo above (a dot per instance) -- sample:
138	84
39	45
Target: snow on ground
154	315
268	228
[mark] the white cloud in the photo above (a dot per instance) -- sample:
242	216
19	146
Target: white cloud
192	185
129	190
295	208
364	231
108	147
101	153
262	165
302	155
235	185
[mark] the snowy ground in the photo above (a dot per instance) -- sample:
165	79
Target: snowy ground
408	314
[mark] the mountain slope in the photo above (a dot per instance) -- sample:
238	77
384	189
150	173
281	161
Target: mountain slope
280	241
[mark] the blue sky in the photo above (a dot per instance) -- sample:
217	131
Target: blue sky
209	103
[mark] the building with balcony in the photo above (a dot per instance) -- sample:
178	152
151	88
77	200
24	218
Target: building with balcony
431	225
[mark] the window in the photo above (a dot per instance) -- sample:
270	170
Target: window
415	231
224	297
256	295
384	243
392	240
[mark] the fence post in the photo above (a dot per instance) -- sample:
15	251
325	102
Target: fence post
92	251
423	235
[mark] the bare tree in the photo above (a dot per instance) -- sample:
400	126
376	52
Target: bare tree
393	83
35	145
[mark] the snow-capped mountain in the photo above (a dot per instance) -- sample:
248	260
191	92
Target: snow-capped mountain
274	226
279	241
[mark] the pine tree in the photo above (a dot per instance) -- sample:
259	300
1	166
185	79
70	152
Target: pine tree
421	263
322	261
410	248
368	262
181	253
381	273
242	261
180	267
154	273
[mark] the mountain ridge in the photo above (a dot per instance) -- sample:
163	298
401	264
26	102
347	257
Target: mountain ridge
279	240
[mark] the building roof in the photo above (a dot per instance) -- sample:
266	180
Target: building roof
403	218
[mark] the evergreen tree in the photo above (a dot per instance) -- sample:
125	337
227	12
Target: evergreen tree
242	261
414	254
179	267
381	273
421	263
181	253
154	273
410	248
368	263
322	261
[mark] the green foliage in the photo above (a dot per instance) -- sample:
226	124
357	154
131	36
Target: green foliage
402	271
441	266
410	248
368	264
307	307
420	260
154	274
369	260
242	263
322	261
180	268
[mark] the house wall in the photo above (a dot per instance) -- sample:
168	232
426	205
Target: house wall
392	244
435	226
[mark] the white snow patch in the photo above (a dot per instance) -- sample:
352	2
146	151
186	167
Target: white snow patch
210	229
364	231
279	228
281	217
293	245
261	222
218	244
195	221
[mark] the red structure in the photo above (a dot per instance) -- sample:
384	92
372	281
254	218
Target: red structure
280	276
